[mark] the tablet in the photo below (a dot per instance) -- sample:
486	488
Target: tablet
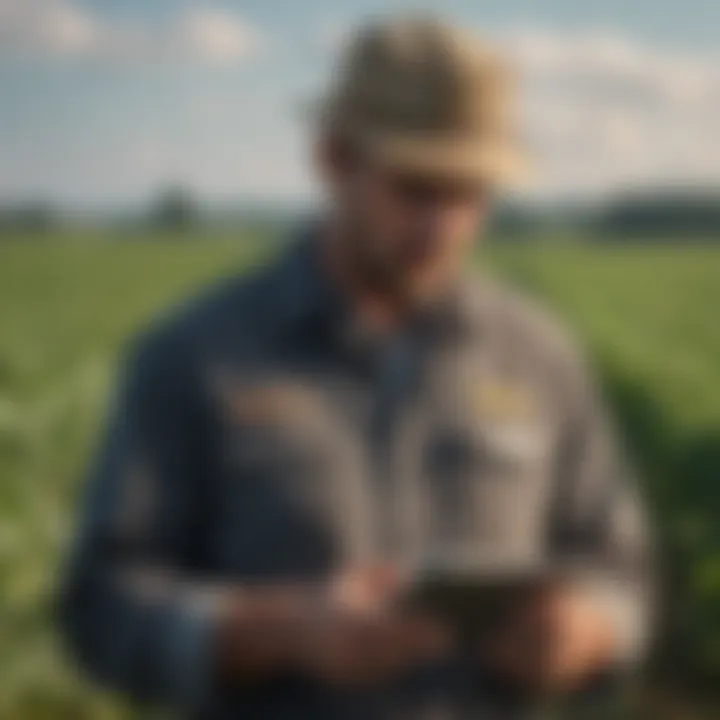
472	600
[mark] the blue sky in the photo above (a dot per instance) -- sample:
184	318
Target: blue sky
691	21
105	100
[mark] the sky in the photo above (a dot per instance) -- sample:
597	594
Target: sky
103	102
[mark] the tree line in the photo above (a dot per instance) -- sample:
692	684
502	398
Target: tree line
652	213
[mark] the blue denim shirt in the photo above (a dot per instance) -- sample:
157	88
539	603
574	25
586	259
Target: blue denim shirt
257	434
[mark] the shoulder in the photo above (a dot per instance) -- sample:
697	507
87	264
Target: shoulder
230	311
532	341
522	325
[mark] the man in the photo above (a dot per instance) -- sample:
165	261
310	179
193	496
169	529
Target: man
285	449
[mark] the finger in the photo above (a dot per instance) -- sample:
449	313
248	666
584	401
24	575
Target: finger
397	643
382	580
367	588
428	638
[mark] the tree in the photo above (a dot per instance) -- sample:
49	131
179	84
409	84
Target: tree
33	217
174	209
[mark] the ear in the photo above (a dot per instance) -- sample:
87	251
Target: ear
336	157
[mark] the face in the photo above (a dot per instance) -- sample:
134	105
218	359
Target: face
407	233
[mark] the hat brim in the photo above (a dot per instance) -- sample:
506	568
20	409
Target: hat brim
497	163
484	162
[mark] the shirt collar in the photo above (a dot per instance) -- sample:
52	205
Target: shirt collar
310	299
305	291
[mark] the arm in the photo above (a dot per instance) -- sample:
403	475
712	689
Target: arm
594	617
128	608
599	519
135	607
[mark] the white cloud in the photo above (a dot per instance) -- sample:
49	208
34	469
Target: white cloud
216	36
59	28
604	111
331	35
46	27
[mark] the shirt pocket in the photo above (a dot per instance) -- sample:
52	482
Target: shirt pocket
272	510
291	476
487	489
286	461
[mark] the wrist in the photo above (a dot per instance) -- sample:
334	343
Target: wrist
265	631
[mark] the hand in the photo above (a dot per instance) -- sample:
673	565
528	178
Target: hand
345	632
555	641
353	636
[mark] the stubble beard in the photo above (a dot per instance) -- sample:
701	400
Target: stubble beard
378	275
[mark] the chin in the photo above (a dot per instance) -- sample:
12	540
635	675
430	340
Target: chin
419	288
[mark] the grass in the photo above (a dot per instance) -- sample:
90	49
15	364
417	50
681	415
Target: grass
649	314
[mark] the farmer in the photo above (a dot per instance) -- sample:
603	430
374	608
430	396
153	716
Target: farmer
285	449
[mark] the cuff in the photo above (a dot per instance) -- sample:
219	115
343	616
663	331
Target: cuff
190	651
625	606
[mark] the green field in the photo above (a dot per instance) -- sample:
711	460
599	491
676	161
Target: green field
650	314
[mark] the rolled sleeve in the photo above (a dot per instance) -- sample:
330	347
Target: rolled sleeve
625	608
600	520
131	609
192	632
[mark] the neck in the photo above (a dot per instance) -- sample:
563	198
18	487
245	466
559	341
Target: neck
375	306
